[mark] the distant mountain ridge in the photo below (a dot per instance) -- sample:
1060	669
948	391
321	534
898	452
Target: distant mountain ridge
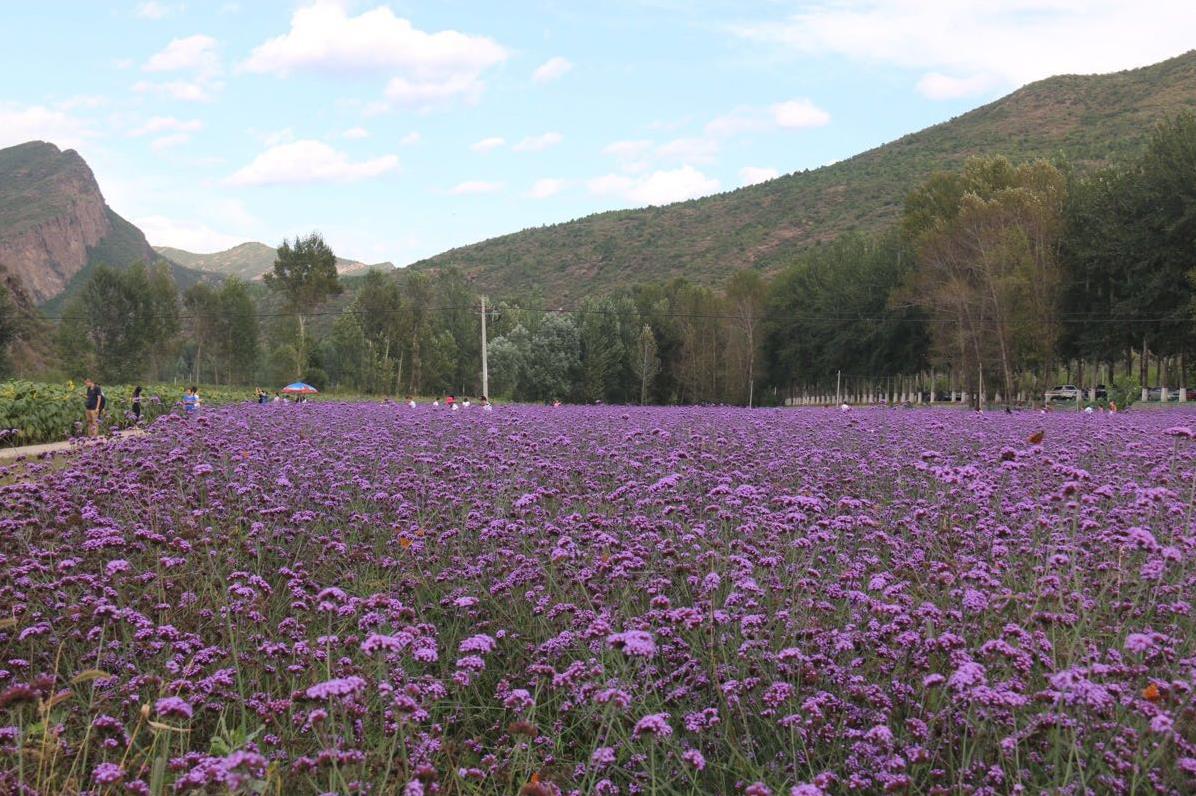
55	226
251	261
1088	119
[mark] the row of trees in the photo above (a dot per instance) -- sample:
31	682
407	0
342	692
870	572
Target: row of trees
997	278
1003	278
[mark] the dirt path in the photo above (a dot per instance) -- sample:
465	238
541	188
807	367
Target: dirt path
33	451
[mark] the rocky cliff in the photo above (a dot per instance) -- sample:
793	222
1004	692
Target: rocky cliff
54	221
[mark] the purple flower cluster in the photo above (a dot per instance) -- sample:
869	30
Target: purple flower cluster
355	599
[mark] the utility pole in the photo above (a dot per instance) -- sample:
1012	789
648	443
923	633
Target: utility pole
838	387
485	367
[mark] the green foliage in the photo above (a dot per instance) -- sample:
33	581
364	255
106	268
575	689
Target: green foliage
222	330
304	273
834	311
121	248
1125	390
1089	120
33	413
113	327
1130	234
540	365
644	362
988	271
304	276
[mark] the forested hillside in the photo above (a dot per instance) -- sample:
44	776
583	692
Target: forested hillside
1084	119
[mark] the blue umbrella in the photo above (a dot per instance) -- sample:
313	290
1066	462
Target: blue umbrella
300	388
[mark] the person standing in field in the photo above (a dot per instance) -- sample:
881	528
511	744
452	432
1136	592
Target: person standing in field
93	403
191	401
136	399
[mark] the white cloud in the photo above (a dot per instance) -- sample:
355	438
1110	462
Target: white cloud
232	213
187	235
167	124
799	113
194	54
412	137
155	10
546	187
637	156
274	137
181	90
937	86
85	101
356	133
738	121
750	175
536	143
432	93
689	150
657	188
19	124
610	184
426	69
168	141
487	144
967	41
308	161
790	114
191	54
471	187
627	149
552	69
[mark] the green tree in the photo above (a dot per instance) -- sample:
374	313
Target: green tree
108	328
304	276
603	349
203	331
458	313
645	364
746	293
989	269
237	332
384	315
508	361
552	363
419	290
837	310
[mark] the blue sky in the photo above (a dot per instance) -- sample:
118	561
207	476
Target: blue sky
402	129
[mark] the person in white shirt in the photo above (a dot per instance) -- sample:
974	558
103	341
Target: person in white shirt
486	406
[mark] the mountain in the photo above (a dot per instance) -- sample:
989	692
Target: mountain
31	350
55	226
1087	119
251	261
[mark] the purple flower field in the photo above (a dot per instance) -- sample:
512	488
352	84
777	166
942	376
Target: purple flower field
373	599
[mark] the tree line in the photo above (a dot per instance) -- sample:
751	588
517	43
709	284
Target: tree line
998	278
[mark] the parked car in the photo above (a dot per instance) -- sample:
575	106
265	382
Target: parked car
1064	392
1156	394
1102	392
